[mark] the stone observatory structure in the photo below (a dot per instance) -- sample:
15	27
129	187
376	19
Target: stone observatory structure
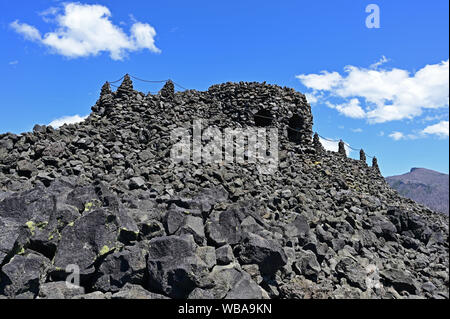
105	198
229	105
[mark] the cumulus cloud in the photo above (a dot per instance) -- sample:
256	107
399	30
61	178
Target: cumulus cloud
440	129
333	146
86	30
382	95
67	120
351	109
323	81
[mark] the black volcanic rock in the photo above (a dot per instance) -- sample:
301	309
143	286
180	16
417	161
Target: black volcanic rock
425	186
105	196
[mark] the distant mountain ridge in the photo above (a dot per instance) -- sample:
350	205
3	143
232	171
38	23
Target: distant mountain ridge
425	186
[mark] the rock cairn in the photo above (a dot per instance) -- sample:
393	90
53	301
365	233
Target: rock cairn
318	147
168	91
341	148
362	156
104	195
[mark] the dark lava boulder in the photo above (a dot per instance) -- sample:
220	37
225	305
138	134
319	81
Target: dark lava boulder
174	268
267	254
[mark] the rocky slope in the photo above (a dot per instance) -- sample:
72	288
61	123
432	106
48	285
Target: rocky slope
425	186
105	197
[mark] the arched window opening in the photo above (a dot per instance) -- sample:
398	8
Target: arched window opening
263	118
294	129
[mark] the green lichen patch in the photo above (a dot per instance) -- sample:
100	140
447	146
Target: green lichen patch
105	249
89	205
31	226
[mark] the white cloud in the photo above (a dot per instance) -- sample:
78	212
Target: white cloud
356	130
441	129
311	98
144	36
322	81
382	61
67	120
397	136
48	14
333	146
387	95
15	62
84	30
29	32
351	109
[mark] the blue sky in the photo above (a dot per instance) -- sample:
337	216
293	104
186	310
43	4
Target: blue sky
396	109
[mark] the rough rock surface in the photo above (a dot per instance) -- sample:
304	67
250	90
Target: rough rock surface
104	195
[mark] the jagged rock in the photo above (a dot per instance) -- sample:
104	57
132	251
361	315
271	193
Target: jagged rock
400	280
319	249
307	265
199	293
90	237
59	290
267	254
180	222
130	291
353	272
25	168
300	288
12	237
94	295
174	268
233	283
299	227
208	255
224	255
120	268
136	183
383	227
194	226
23	274
224	227
39	128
